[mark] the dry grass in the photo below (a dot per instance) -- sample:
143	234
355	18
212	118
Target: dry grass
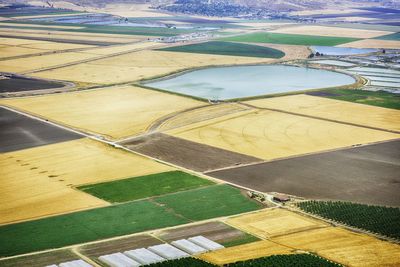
374	43
141	65
27	64
331	31
345	247
274	222
40	26
245	252
121	48
37	182
271	135
115	112
334	109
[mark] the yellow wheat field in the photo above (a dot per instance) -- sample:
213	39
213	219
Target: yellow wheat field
114	112
345	247
141	65
331	31
274	222
3	24
245	252
38	182
374	43
335	110
271	135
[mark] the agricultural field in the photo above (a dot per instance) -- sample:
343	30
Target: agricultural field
116	220
379	99
274	222
342	111
377	219
192	262
345	247
227	48
365	174
305	260
188	154
245	252
37	181
331	31
373	43
289	39
40	260
16	84
284	134
136	66
114	112
145	186
393	36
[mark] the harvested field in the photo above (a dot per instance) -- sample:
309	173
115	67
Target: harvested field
40	260
383	118
14	83
22	65
271	135
374	43
114	112
94	224
121	48
215	231
367	174
209	202
145	186
120	245
191	155
345	247
8	24
57	39
245	252
330	31
289	39
36	182
137	66
274	222
21	132
227	48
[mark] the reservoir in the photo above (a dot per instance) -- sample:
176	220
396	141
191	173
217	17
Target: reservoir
224	83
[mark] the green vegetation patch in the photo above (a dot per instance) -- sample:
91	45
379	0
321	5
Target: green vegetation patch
209	202
229	49
244	239
291	260
85	226
393	37
379	99
380	220
145	186
291	39
185	262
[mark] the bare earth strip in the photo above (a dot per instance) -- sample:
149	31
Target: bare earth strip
114	112
334	109
271	135
36	182
330	31
374	43
40	260
366	174
187	154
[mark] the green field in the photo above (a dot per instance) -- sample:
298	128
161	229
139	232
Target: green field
85	226
229	49
291	39
380	220
393	36
244	239
132	217
145	186
291	260
185	262
379	99
210	202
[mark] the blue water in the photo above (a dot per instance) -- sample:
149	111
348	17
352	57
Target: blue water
342	51
247	81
